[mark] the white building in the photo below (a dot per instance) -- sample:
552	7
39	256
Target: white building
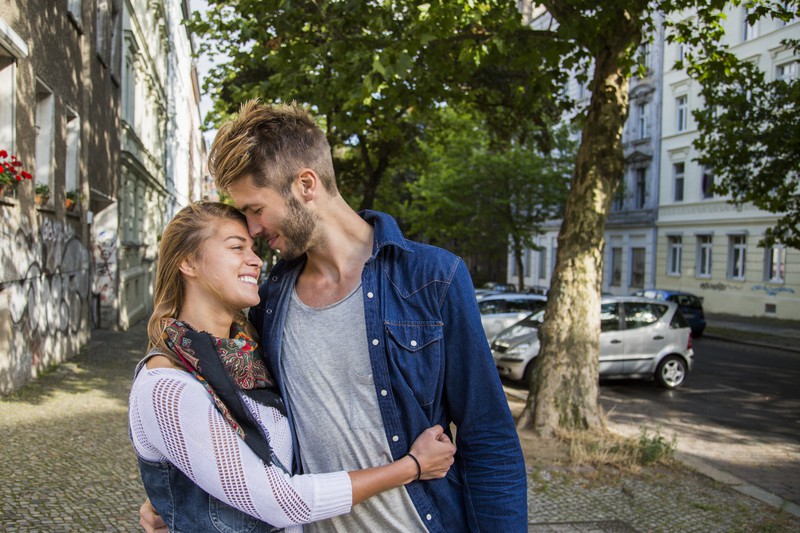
162	152
630	236
666	229
706	245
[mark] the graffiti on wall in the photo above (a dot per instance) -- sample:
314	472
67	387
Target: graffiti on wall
44	296
105	264
719	287
773	291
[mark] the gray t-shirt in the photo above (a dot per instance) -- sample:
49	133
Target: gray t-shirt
329	386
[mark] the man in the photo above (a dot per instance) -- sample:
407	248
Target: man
372	338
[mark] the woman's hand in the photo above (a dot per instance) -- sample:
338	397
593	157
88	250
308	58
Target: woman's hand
434	451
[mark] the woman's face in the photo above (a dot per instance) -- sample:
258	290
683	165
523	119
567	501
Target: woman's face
229	265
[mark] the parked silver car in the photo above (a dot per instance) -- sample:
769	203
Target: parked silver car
498	311
639	337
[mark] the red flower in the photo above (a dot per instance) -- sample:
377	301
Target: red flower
11	166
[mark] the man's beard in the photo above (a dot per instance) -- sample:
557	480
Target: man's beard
297	229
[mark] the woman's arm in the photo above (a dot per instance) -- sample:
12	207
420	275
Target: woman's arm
173	418
432	456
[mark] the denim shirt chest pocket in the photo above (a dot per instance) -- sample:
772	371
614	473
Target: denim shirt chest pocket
415	349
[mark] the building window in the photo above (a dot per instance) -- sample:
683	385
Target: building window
704	249
682	107
45	135
645	56
619	198
749	31
680	52
12	48
775	264
678	172
72	181
616	267
8	94
786	72
74	10
543	263
129	81
637	267
641	187
674	253
642	111
737	256
527	263
707	183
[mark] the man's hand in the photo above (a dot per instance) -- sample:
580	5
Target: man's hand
150	520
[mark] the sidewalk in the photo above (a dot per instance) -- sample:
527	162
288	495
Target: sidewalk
771	332
67	465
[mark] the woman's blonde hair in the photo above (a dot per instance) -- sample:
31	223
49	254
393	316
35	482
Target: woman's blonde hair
183	239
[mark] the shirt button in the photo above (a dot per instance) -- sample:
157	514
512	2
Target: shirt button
395	438
413	343
269	311
383	392
274	278
370	295
428	516
374	342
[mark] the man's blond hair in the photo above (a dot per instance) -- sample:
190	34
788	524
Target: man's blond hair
271	143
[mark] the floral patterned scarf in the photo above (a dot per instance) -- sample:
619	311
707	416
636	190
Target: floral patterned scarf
227	367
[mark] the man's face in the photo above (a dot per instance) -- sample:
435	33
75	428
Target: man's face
286	224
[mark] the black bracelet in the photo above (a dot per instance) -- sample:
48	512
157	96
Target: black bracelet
419	468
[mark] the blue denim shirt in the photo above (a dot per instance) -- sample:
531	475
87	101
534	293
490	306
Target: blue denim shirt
429	352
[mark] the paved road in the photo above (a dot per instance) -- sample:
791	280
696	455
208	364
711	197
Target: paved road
739	411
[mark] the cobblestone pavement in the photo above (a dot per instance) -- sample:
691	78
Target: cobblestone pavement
67	466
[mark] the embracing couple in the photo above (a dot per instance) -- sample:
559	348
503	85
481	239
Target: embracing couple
329	407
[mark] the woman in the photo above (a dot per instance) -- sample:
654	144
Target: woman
206	421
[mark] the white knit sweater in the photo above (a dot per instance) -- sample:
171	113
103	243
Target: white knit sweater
172	417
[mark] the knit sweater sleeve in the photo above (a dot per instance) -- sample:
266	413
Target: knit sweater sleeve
172	417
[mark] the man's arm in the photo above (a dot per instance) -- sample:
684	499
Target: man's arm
150	520
486	437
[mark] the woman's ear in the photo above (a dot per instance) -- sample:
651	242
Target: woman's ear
187	268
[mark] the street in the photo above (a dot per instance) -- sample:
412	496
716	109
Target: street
738	411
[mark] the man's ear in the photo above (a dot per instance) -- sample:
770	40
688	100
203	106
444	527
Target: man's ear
187	268
307	182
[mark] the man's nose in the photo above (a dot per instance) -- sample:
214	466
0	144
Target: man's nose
254	228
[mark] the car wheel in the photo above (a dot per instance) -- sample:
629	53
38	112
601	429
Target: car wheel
671	372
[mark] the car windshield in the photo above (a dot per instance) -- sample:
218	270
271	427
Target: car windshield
532	321
638	314
686	300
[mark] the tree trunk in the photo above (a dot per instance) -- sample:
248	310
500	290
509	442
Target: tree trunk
520	266
564	389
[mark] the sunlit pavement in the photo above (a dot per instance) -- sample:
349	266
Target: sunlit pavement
67	465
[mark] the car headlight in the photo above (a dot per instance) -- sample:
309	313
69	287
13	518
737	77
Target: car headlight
517	353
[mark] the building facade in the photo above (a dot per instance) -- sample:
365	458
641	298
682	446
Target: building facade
99	100
161	153
705	244
630	234
667	229
59	118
